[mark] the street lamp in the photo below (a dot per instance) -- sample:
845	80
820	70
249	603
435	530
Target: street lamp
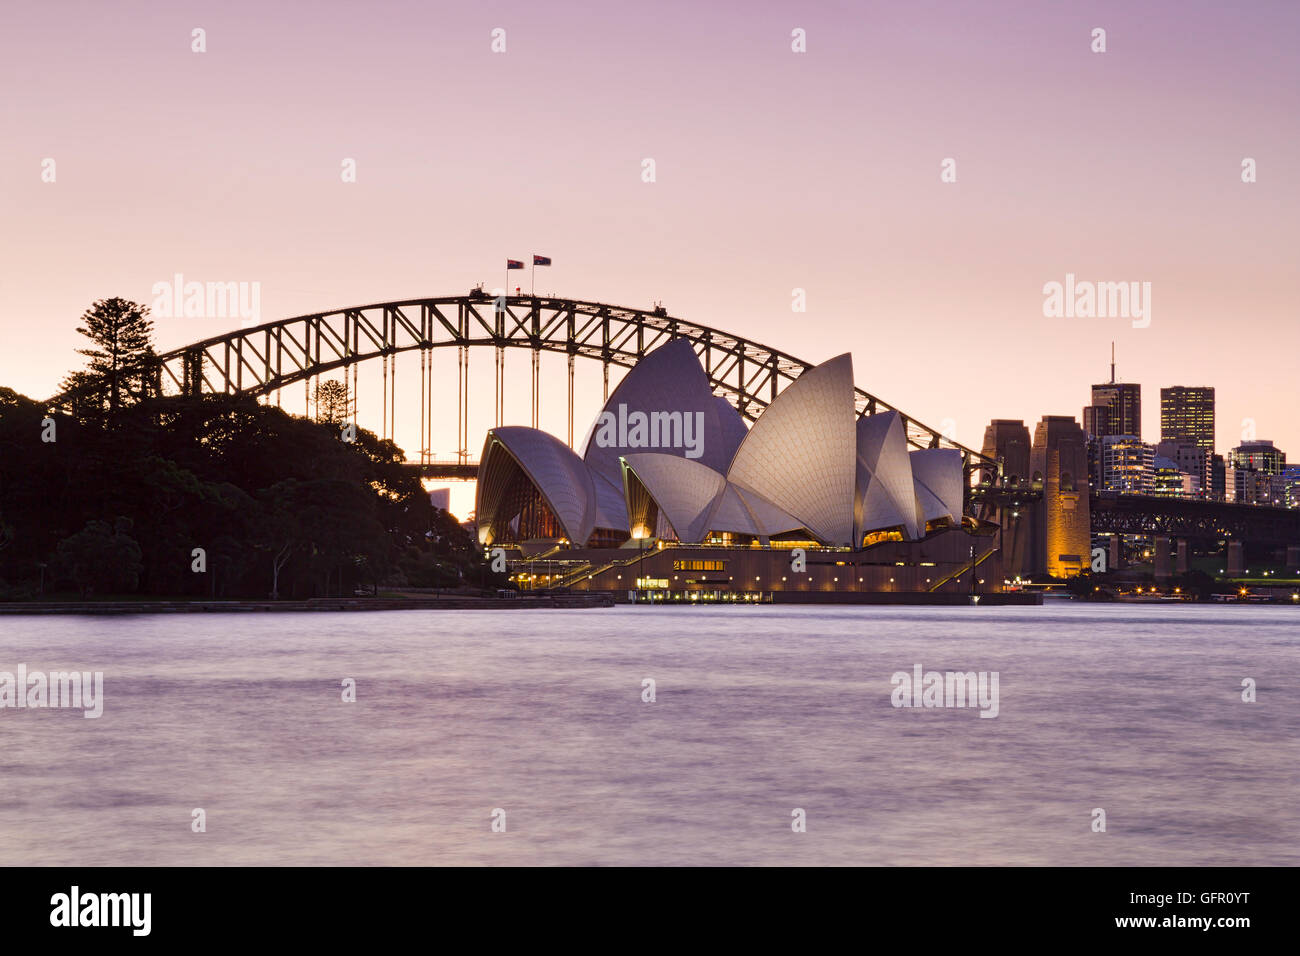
640	562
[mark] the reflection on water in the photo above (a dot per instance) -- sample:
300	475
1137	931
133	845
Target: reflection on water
758	710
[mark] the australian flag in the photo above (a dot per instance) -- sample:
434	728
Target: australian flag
541	260
514	264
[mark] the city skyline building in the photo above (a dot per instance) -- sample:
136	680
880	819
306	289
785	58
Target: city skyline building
1218	478
1097	420
1124	401
1169	481
1127	464
1187	415
1190	459
1250	487
1289	486
1259	455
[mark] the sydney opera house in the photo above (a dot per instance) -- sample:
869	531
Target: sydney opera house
673	496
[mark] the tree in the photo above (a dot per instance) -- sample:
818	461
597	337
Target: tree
276	501
333	407
101	557
280	527
122	336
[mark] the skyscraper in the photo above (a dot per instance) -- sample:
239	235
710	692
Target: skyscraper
1124	399
1187	415
1097	421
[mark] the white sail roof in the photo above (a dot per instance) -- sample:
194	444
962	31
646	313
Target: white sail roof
557	473
668	380
936	474
733	428
885	496
799	455
808	464
683	489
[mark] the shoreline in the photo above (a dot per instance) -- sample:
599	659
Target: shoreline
451	602
574	601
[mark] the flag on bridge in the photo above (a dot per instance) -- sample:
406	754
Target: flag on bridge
541	260
514	264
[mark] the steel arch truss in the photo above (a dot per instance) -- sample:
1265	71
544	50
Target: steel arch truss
267	357
1194	519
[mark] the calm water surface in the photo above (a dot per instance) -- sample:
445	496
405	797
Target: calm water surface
1135	709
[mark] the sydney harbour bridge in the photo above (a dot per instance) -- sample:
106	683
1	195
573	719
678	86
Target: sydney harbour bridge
266	359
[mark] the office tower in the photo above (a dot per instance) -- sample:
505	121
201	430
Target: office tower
1218	478
1259	456
1169	481
1127	464
1124	399
1097	421
1187	415
1191	460
1289	481
1125	402
1094	461
1256	467
1251	487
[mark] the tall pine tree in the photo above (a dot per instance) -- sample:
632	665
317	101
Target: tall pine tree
333	406
122	353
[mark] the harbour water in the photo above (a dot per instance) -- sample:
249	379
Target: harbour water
1136	710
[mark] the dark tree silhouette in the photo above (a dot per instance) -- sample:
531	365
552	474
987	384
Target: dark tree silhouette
277	503
101	557
333	407
122	357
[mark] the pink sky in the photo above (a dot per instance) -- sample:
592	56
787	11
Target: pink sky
775	170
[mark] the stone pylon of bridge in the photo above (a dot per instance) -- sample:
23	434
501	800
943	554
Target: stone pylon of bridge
1236	559
1058	463
1007	439
1164	545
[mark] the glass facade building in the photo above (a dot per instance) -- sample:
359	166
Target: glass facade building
1187	415
1125	402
